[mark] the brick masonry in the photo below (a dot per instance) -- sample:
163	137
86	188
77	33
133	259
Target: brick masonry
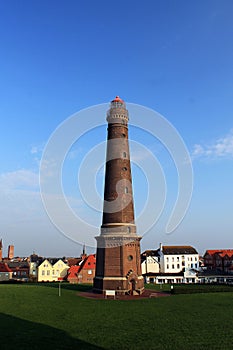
118	264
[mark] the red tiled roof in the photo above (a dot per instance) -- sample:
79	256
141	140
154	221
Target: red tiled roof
73	270
220	252
89	262
4	268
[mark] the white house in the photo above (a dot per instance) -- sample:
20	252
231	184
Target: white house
178	264
170	264
150	265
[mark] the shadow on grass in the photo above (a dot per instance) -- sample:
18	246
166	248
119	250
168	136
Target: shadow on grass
21	334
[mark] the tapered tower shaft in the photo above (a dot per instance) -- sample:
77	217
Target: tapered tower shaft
118	264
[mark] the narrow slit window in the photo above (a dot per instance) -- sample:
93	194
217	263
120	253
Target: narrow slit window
126	190
124	154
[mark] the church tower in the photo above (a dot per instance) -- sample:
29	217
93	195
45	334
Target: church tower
118	262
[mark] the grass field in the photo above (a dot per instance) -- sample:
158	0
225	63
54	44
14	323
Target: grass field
35	317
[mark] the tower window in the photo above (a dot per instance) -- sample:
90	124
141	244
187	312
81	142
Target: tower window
130	257
123	135
126	190
124	154
124	169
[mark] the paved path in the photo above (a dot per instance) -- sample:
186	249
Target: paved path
148	293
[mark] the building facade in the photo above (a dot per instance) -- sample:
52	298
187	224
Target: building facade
5	272
52	270
219	259
118	264
84	272
171	264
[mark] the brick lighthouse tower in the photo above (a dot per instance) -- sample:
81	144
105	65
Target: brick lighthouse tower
118	263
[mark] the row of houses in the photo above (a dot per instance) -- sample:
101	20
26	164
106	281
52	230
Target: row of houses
183	264
38	269
167	264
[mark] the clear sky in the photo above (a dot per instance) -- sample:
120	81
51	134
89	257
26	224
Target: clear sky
58	57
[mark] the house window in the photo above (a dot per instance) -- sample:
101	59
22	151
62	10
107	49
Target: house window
43	272
167	266
178	266
173	266
89	272
173	259
167	259
178	259
48	273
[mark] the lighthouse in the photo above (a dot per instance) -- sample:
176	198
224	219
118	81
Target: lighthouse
118	263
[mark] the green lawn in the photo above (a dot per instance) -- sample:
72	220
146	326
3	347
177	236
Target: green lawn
35	317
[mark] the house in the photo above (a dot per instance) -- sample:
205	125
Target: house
219	259
73	274
5	272
170	264
84	272
150	264
178	264
20	270
52	270
34	262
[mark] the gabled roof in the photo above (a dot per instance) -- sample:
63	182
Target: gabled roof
220	252
151	253
73	270
89	262
4	267
175	250
45	261
52	262
58	262
73	261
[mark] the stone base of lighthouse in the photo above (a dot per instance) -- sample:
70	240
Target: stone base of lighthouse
118	264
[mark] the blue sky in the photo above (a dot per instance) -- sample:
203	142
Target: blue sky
59	57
